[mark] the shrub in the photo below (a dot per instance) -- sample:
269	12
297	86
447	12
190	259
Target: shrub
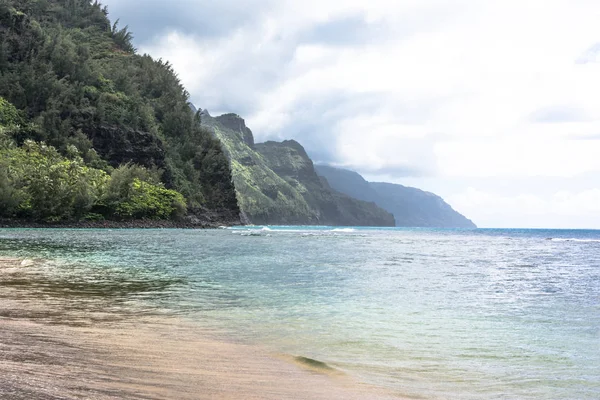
134	192
39	183
9	115
147	200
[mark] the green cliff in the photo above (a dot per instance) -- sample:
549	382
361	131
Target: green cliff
277	183
84	97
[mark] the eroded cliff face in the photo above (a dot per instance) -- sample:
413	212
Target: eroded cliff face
277	184
237	124
119	145
289	160
263	196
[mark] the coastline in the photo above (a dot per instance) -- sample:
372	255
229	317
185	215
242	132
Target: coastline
146	357
188	223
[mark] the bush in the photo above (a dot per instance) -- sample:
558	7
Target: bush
147	200
9	115
10	196
134	192
37	182
93	217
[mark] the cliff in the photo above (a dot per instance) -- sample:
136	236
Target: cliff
277	184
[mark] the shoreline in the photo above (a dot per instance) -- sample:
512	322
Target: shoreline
134	224
156	359
145	357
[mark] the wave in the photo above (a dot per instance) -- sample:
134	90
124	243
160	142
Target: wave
349	230
574	240
250	233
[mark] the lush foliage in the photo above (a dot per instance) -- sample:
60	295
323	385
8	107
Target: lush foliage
134	192
76	80
9	115
37	182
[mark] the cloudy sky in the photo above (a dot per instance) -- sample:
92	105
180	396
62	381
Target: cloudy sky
494	105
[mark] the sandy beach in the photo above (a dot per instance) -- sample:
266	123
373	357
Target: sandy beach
145	357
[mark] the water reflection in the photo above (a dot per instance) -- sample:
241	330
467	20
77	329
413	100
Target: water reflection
73	294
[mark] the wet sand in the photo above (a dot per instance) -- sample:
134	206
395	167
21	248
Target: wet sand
144	357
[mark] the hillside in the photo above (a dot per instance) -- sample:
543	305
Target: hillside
82	96
277	183
411	207
289	160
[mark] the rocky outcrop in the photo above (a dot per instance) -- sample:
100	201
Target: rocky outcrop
119	145
237	124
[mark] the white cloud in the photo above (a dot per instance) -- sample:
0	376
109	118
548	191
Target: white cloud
560	210
518	157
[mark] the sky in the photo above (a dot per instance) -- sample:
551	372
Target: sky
494	105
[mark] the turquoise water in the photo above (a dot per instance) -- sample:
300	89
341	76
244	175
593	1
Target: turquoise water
460	314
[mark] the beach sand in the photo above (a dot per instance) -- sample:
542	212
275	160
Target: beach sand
144	357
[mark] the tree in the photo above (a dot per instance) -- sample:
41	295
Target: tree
122	37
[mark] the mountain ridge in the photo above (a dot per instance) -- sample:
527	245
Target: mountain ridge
276	182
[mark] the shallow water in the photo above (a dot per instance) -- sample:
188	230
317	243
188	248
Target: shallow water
506	314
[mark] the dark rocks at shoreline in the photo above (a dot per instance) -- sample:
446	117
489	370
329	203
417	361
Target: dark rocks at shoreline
187	223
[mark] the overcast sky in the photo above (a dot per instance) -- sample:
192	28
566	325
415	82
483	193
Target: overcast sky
494	105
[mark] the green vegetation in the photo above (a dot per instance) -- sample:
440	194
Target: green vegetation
133	192
79	108
36	182
277	184
263	195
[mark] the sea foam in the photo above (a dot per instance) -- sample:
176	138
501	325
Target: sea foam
575	240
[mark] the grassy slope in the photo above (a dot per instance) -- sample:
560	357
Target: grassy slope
289	160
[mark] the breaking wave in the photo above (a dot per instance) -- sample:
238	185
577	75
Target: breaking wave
574	240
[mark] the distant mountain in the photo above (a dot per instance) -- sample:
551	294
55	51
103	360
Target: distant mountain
276	182
411	207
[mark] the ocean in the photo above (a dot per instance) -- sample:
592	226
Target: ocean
429	313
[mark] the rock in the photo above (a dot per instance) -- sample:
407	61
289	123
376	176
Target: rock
120	145
237	124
